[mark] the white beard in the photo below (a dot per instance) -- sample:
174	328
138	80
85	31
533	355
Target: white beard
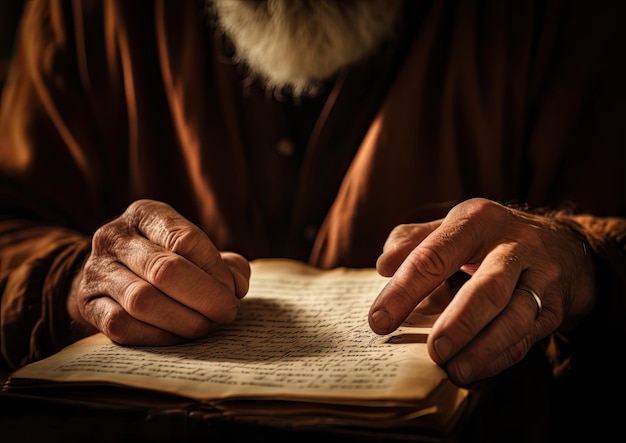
295	45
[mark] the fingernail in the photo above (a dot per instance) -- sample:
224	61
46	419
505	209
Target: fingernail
242	284
381	320
443	346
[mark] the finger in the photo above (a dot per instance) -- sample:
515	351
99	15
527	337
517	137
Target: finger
441	297
180	279
240	269
401	241
427	311
164	226
114	322
436	258
140	299
500	345
481	299
147	304
534	297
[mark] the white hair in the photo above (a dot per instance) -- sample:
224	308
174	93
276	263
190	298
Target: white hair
297	44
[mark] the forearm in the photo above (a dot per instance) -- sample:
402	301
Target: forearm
37	265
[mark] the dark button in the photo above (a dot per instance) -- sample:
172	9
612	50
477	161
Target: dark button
285	147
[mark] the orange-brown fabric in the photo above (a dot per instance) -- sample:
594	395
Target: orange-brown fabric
10	13
112	101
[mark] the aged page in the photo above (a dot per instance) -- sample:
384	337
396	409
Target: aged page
302	333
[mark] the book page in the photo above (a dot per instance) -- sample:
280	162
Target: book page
302	333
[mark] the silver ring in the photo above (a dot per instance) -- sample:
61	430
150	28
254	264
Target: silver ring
535	296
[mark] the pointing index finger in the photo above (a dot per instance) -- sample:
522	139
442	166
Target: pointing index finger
437	258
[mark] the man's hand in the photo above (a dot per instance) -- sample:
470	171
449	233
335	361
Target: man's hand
154	278
487	324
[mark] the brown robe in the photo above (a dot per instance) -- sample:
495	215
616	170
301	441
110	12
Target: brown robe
109	102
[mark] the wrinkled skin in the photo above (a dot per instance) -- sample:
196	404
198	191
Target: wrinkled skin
484	325
154	278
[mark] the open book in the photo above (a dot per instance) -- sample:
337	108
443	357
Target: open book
300	352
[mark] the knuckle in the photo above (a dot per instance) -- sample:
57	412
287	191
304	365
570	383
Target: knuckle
476	213
480	205
137	299
104	239
141	207
399	232
494	293
475	207
91	271
182	239
135	207
115	325
185	240
410	234
97	265
162	268
95	276
428	262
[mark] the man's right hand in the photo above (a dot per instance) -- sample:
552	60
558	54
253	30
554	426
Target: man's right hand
154	278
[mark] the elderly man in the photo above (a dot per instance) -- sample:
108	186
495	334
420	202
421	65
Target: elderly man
472	151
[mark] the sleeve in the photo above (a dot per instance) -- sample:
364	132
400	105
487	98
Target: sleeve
603	331
50	167
9	18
